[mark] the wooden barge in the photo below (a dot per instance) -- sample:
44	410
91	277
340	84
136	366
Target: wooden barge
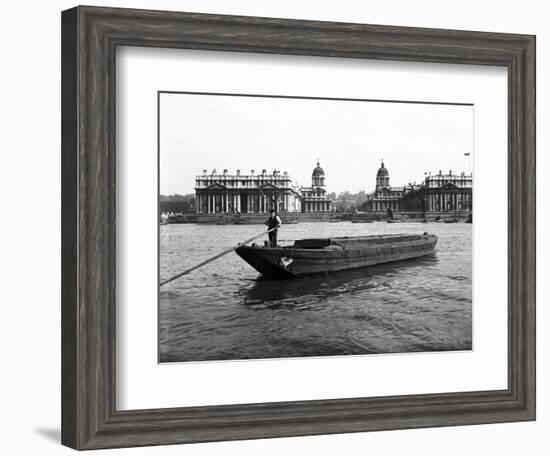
326	255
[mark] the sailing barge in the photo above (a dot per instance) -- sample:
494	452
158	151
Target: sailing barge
326	255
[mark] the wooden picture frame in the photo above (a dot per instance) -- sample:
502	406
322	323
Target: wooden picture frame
90	36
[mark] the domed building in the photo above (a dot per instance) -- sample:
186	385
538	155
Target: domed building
314	198
385	198
382	177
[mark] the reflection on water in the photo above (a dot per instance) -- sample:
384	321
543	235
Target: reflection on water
226	311
291	292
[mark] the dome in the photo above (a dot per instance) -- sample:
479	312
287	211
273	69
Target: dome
383	171
318	171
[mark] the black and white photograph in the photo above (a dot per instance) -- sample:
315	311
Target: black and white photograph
297	226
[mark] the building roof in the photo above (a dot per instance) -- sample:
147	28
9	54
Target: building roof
318	171
382	171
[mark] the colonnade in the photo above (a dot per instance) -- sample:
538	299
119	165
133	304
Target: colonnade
454	201
235	202
315	206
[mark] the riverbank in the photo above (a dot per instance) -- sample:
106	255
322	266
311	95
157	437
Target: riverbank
301	217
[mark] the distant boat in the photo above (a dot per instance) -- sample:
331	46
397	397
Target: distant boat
361	221
451	220
326	255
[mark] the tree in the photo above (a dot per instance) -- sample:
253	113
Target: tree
178	204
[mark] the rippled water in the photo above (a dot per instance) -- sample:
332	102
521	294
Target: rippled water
226	311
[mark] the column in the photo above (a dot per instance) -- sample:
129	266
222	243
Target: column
226	202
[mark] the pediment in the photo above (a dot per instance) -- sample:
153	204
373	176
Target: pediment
449	186
216	186
269	186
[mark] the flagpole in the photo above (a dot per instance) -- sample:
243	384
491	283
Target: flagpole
469	155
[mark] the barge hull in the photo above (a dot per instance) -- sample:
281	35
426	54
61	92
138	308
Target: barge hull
286	262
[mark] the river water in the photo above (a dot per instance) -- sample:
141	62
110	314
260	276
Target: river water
226	311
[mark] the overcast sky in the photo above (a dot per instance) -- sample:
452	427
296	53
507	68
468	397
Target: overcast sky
350	138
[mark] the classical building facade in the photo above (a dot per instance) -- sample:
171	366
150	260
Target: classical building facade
314	198
438	193
385	197
244	194
448	192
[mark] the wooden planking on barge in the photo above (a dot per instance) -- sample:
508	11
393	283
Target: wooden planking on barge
313	256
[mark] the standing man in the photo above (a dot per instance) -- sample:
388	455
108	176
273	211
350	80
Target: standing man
273	222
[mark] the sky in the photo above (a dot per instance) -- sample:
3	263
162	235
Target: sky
349	138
